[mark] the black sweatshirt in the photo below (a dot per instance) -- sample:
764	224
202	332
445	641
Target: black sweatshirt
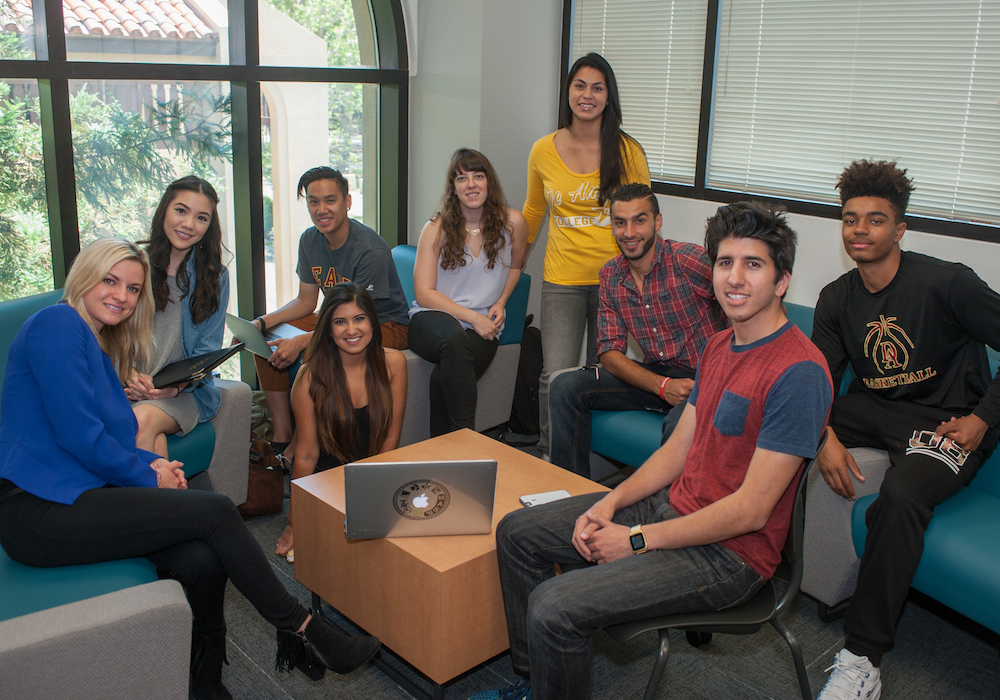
922	338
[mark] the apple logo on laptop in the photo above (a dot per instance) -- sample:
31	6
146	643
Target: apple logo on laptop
422	499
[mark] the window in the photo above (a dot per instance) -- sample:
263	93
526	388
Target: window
656	50
802	88
117	99
25	253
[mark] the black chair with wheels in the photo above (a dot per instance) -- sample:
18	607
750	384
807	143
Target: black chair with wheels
747	618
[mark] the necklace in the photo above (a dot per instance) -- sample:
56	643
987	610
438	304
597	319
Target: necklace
473	231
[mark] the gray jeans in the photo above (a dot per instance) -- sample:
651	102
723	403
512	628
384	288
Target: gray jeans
550	618
566	312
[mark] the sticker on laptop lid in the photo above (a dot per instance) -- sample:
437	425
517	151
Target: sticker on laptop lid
421	500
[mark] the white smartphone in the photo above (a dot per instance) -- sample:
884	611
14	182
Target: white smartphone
537	499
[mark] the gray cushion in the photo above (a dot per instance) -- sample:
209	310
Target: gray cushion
133	643
830	566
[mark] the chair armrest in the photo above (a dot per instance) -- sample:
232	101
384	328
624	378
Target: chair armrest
229	469
830	566
133	643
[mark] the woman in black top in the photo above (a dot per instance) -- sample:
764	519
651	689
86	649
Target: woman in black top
349	396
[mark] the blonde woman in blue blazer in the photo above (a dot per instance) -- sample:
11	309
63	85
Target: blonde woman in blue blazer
74	489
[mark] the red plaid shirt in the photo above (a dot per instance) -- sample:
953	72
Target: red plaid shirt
674	316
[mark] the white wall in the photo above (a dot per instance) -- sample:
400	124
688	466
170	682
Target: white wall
487	77
821	257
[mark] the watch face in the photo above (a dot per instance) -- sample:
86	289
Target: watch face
638	541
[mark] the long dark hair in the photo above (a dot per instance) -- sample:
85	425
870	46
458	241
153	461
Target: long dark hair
494	219
207	254
614	156
329	391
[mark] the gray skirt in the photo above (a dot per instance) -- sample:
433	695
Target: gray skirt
182	408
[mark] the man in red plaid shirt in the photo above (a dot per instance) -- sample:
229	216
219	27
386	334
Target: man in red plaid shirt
658	291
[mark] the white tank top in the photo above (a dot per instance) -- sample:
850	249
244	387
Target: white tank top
473	285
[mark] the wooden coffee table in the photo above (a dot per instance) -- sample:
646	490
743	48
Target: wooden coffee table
433	601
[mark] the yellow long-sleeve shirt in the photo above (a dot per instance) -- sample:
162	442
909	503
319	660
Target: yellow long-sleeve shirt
580	239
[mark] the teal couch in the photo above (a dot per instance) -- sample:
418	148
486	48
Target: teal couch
960	566
630	437
91	630
495	389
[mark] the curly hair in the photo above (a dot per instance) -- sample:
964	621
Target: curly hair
614	155
882	179
207	253
329	391
494	218
757	220
129	344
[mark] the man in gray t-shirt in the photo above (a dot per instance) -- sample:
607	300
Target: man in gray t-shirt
364	259
335	249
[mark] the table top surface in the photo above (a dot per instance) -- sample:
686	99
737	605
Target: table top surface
518	474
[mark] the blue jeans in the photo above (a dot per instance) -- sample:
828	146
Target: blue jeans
567	310
550	618
572	397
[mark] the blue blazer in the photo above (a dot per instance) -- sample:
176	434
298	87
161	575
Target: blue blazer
65	424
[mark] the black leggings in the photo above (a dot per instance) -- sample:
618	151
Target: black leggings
197	537
462	357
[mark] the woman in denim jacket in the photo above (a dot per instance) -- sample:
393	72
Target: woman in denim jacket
191	292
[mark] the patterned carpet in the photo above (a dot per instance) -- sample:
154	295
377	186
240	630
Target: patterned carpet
938	655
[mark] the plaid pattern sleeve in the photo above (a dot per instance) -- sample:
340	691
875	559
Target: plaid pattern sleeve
612	329
674	315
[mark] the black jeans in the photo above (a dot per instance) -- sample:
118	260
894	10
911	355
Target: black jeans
197	537
574	395
919	478
462	357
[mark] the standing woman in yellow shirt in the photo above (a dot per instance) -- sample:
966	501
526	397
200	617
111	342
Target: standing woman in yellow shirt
573	172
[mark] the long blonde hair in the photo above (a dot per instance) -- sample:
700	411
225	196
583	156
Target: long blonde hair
129	343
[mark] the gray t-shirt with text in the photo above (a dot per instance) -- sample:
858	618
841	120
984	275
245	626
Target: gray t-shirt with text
364	259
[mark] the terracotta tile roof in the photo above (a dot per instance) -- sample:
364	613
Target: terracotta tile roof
140	19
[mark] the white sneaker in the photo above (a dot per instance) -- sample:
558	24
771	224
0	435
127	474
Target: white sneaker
853	677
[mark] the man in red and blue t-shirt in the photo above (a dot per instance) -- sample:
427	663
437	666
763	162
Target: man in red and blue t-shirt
701	525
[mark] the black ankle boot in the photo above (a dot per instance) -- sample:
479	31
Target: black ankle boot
294	652
207	657
321	647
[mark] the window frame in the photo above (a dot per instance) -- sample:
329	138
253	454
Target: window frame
700	190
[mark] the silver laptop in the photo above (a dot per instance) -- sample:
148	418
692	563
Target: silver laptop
254	340
414	499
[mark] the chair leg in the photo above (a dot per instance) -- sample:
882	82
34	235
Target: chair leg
800	665
659	666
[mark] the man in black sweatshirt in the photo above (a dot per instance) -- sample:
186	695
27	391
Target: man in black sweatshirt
915	330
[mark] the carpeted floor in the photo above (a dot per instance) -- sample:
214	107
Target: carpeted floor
938	655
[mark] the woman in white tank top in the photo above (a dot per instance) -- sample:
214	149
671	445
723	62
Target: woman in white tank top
468	263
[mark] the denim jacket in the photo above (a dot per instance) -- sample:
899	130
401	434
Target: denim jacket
200	338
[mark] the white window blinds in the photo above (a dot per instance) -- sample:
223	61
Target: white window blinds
803	87
656	50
